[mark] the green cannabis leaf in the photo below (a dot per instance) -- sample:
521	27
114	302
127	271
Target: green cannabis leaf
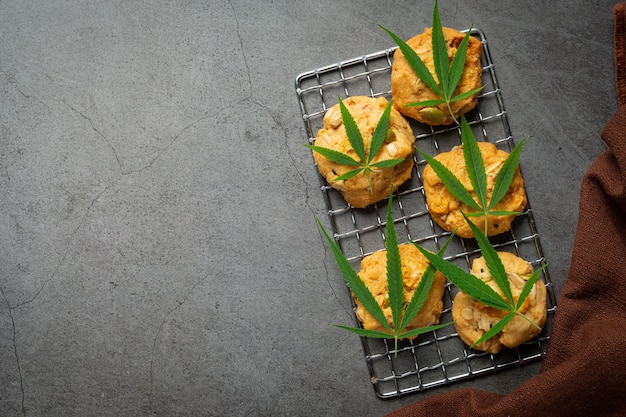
479	290
448	73
364	165
401	317
483	205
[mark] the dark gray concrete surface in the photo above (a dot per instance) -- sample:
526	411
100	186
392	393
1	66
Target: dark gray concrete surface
159	251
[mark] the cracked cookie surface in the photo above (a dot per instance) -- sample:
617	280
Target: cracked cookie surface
363	190
472	319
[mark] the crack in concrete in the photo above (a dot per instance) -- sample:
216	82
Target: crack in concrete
166	318
66	250
283	129
279	124
307	199
150	163
241	47
99	133
15	352
274	117
165	149
104	190
63	259
124	172
11	308
13	82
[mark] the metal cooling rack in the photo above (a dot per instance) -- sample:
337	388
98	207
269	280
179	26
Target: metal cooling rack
438	358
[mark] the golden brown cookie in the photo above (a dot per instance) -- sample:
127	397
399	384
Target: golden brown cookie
407	88
413	264
473	319
363	190
447	211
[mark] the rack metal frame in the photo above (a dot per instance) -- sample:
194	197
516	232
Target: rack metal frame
440	357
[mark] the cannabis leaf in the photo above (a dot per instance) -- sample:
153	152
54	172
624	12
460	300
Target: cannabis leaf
448	73
401	317
365	164
479	290
483	205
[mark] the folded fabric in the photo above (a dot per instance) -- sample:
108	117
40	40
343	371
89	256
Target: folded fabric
584	370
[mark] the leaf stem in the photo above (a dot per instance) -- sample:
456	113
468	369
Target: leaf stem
528	319
364	166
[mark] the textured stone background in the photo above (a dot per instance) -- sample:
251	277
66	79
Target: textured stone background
159	252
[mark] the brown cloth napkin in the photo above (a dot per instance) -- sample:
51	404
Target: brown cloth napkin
584	371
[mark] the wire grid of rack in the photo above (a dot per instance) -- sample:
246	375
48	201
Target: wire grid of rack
438	358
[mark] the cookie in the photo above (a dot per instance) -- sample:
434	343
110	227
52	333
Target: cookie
447	211
407	87
473	319
413	264
363	190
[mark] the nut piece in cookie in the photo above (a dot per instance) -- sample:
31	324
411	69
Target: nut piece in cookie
413	264
447	211
407	88
365	189
473	319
